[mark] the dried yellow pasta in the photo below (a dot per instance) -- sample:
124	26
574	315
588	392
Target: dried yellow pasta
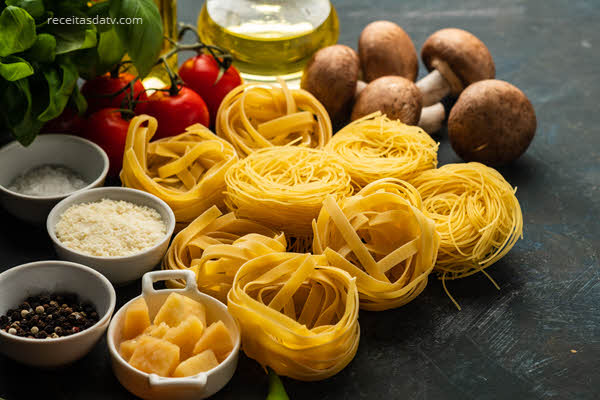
215	246
476	213
284	187
256	116
298	315
381	239
187	171
376	147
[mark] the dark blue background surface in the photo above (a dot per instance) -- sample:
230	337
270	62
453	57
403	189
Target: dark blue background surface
536	338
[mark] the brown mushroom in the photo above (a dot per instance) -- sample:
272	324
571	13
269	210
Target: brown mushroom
385	49
492	122
398	98
455	59
331	76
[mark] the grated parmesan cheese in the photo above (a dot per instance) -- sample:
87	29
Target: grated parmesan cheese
110	228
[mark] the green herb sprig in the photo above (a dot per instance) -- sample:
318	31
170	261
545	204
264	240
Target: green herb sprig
41	60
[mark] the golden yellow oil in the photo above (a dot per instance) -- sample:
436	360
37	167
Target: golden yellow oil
158	78
269	38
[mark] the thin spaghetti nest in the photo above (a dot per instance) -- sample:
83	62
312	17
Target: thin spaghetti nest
380	238
376	147
298	315
187	171
476	213
256	116
215	246
284	187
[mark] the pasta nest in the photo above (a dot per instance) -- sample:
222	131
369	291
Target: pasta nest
187	171
298	315
476	213
284	187
215	246
376	147
256	116
380	237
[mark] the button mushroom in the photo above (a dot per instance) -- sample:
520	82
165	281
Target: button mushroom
455	59
398	98
492	122
384	49
331	76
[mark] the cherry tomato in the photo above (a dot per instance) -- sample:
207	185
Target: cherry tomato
98	91
68	122
200	73
108	129
175	113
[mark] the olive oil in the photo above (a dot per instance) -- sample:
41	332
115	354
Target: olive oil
269	38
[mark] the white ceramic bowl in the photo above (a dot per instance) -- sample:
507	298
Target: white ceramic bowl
119	270
152	386
80	155
18	283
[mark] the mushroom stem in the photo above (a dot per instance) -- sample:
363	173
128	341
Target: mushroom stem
434	87
360	85
432	118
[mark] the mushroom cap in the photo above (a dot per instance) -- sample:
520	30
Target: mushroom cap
385	49
459	56
492	122
395	96
331	75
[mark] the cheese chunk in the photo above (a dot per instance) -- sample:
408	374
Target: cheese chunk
215	338
155	356
202	362
178	308
136	319
185	335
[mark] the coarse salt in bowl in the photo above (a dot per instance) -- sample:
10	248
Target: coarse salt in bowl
95	246
79	155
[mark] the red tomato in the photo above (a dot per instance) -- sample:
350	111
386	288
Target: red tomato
200	73
68	122
108	129
98	91
175	113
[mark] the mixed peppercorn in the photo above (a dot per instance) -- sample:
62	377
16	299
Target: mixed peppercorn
48	316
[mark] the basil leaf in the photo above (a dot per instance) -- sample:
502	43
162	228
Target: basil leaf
35	8
99	14
142	41
43	50
17	30
13	68
19	112
103	58
59	89
74	37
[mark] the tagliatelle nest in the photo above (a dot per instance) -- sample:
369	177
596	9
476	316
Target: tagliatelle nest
284	187
187	171
298	315
256	116
382	239
215	246
376	147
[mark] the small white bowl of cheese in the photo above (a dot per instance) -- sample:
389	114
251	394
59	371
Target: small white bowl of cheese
120	232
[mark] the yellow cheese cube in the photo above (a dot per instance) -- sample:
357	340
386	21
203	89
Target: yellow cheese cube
178	308
199	363
155	356
157	331
136	319
216	338
185	335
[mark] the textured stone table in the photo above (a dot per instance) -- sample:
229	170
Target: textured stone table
536	338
